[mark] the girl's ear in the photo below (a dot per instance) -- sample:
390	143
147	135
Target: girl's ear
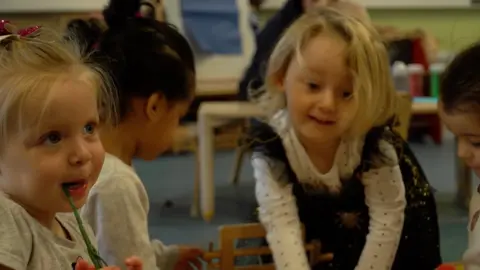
156	107
278	80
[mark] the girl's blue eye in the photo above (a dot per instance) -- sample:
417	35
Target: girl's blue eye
53	138
89	129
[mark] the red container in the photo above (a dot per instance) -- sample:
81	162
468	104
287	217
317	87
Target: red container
415	75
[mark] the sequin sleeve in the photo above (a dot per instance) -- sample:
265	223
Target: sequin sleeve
385	198
278	214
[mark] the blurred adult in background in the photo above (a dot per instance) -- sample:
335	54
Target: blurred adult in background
269	35
254	17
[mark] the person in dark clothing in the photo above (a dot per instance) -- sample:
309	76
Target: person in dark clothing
255	6
266	40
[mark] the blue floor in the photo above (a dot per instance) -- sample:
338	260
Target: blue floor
171	178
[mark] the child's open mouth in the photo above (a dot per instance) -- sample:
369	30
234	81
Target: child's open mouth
76	188
323	122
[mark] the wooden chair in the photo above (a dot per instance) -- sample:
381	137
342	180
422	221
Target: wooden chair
224	258
404	112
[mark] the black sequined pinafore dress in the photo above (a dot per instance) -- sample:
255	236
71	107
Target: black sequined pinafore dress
340	221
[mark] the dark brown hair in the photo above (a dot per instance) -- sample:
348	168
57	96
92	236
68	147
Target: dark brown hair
460	84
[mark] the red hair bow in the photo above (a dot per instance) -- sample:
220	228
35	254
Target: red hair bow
6	28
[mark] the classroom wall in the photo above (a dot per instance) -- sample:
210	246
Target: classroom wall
214	67
454	28
209	67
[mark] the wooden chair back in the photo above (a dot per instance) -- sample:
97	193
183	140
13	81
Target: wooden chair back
224	258
403	114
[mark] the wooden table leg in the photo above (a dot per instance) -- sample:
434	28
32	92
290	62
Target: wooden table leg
194	209
206	155
464	181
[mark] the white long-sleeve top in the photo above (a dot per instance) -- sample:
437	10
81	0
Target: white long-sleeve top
117	210
384	195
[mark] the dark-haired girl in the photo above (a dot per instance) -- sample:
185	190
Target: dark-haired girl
459	109
153	71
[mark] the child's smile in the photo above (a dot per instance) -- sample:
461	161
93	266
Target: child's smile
323	121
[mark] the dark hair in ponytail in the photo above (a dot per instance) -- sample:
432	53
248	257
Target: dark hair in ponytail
460	84
145	56
142	55
148	8
117	12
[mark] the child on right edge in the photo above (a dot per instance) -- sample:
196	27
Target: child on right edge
459	110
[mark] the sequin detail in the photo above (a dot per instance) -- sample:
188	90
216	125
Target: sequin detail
328	217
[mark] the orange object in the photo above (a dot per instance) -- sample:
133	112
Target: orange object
447	267
450	267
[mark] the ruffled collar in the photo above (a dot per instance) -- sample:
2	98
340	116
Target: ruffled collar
347	158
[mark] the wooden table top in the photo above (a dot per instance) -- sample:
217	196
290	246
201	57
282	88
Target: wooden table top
422	108
424	105
217	87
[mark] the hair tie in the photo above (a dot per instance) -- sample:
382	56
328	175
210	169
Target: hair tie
28	31
138	15
7	29
3	28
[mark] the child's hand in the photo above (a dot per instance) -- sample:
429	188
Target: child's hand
188	255
319	256
132	263
84	265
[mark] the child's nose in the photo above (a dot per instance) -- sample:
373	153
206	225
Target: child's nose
327	101
80	154
463	150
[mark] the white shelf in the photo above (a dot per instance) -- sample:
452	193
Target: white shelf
420	4
394	4
30	6
273	4
215	67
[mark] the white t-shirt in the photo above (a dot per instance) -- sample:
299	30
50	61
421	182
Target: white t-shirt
117	210
25	244
384	195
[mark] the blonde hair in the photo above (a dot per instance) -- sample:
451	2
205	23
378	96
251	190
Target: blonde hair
32	66
374	94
